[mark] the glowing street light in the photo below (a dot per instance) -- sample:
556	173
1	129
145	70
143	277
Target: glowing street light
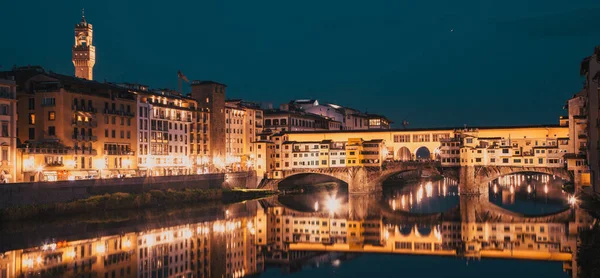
572	200
385	152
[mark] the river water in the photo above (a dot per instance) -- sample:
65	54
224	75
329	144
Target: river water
412	228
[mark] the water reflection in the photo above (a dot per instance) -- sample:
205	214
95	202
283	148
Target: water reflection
422	197
244	239
532	194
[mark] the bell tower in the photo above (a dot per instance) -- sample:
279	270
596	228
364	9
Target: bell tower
84	53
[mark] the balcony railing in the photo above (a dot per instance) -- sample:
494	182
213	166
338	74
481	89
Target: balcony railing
54	164
85	138
85	124
47	150
84	108
118	152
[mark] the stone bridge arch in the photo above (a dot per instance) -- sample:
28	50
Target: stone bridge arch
486	174
378	176
423	152
360	179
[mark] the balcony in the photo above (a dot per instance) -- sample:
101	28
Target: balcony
85	138
84	123
119	152
80	108
46	151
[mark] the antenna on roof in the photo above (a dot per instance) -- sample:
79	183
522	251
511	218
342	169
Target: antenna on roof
405	123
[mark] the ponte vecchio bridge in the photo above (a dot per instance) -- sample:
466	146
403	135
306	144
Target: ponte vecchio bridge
364	159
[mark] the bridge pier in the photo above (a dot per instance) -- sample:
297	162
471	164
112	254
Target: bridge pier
468	184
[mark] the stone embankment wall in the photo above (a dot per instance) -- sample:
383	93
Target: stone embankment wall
37	193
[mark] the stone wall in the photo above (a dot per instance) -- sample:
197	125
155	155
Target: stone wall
35	193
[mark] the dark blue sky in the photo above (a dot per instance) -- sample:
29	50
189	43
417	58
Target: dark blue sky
506	62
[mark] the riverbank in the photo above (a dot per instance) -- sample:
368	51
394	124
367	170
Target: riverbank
122	201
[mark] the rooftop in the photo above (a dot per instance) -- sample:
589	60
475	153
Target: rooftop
206	82
422	129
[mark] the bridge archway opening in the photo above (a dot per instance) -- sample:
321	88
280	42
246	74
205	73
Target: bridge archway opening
405	230
404	154
424	230
529	193
423	153
312	182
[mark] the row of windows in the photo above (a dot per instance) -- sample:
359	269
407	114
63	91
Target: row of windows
517	160
113	133
114	120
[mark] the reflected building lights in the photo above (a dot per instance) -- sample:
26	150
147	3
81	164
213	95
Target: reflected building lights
429	189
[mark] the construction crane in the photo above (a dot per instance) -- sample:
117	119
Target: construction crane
181	77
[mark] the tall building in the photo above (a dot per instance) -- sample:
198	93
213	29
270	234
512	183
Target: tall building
590	68
243	121
165	131
576	156
84	52
8	130
72	128
210	95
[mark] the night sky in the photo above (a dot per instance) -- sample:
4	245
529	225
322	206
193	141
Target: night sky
433	63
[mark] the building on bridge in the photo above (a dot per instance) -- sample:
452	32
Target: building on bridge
524	146
278	154
526	151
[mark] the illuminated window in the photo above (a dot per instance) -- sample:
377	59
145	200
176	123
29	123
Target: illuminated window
31	119
51	116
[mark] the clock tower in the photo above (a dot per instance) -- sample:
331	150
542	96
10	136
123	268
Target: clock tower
84	53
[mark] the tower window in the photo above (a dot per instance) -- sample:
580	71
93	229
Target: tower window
207	100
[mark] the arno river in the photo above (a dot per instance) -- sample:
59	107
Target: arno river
526	227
